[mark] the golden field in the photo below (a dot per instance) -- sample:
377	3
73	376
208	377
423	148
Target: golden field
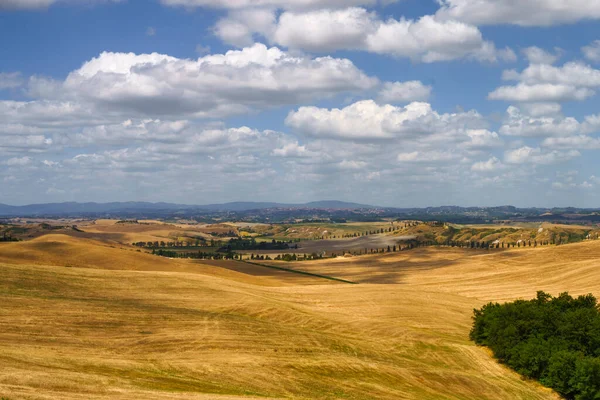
83	319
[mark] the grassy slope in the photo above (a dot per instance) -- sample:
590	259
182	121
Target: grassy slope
507	234
76	333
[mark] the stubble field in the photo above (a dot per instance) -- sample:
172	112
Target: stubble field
83	320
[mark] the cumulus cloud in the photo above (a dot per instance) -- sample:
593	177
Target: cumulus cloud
20	116
592	51
544	92
542	109
404	92
241	26
18	161
483	139
354	28
283	4
491	165
129	131
154	84
366	119
579	142
293	149
523	13
519	124
201	49
536	156
427	157
536	55
10	80
144	123
26	144
572	74
325	29
429	40
548	83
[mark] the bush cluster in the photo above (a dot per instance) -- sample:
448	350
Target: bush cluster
555	340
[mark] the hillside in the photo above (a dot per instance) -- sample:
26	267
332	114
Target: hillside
186	330
514	234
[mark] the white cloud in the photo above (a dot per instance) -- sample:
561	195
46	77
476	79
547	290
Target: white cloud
26	116
536	55
535	156
354	28
579	142
18	161
542	109
519	124
427	38
10	80
592	51
404	92
548	83
546	92
491	165
25	4
427	157
151	31
43	4
240	27
483	139
154	84
572	74
326	29
524	13
284	4
292	150
50	164
145	123
352	165
20	144
129	131
201	49
366	119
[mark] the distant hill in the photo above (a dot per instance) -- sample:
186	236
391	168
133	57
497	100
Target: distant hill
274	212
333	204
73	208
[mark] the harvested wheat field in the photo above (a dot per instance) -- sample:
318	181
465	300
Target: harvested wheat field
83	320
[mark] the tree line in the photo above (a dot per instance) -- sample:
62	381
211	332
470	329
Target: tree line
252	244
8	238
196	255
555	340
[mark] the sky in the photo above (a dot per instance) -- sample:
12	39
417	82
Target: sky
404	103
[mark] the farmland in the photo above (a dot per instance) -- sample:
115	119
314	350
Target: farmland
87	315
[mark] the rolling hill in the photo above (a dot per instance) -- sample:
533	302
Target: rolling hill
171	329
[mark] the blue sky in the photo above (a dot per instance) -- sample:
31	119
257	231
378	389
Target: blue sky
399	103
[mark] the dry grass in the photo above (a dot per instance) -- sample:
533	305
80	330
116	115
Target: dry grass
152	330
485	275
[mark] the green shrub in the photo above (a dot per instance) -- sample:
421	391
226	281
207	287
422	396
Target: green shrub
555	340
